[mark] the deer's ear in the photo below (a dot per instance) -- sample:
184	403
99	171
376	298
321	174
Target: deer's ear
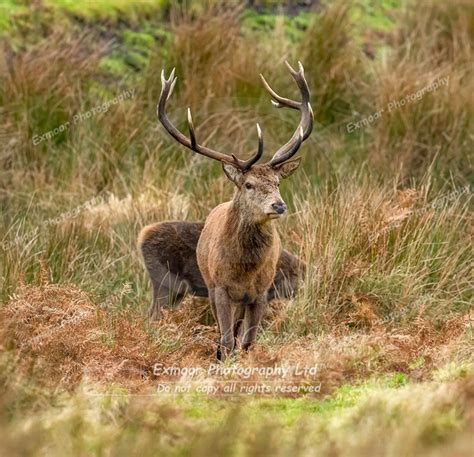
233	173
287	168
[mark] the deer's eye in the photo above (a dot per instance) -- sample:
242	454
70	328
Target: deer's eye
248	186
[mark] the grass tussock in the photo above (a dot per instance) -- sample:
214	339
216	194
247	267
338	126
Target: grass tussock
335	62
432	132
396	251
42	88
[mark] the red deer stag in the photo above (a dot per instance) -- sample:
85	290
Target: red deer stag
239	246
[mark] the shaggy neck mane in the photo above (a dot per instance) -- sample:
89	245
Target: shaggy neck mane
251	241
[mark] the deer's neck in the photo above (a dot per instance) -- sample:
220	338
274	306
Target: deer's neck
251	241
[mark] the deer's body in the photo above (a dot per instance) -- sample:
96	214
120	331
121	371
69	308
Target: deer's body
239	247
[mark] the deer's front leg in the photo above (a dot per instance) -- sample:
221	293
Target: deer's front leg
225	310
212	301
253	316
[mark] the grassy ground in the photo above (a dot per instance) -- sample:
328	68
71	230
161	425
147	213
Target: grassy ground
381	211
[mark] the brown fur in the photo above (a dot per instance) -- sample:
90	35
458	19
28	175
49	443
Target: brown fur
238	251
169	254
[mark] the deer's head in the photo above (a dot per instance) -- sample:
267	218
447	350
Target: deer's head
257	191
258	194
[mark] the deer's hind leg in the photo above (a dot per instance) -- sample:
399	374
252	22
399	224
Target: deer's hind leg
168	289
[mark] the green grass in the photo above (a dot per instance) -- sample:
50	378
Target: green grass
9	9
107	9
377	15
265	23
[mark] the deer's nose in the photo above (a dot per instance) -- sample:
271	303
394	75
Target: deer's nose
279	207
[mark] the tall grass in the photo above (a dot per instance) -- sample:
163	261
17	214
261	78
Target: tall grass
431	134
335	63
398	254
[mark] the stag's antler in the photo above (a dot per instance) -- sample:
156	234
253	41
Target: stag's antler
305	126
283	154
167	86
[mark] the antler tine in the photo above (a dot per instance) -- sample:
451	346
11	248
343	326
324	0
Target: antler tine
192	133
255	158
306	123
167	86
277	100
